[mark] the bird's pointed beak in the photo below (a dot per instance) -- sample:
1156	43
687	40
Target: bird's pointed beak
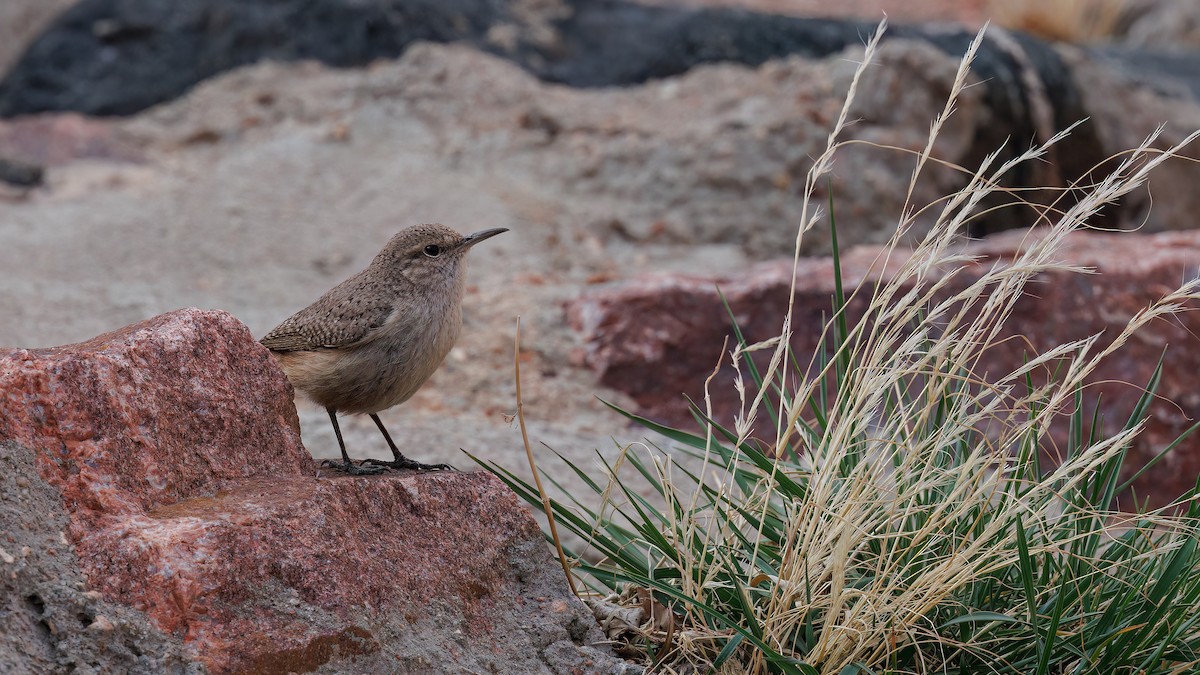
472	239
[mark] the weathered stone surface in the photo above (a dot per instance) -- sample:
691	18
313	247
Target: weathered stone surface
719	154
658	338
175	448
49	621
155	413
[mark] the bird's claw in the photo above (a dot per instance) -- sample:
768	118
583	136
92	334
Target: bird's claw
405	463
351	469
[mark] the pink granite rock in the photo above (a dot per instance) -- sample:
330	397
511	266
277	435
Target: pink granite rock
175	447
180	406
658	338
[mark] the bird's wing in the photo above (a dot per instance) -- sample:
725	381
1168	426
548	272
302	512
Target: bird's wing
290	337
344	316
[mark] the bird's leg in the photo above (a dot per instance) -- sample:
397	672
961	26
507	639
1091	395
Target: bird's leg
346	466
400	461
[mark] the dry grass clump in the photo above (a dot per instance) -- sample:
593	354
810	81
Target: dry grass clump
902	522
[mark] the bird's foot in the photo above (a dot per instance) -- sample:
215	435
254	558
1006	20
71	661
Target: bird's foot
349	468
405	463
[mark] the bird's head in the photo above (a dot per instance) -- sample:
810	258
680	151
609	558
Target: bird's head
428	254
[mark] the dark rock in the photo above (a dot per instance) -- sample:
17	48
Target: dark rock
105	57
23	20
174	447
19	173
657	339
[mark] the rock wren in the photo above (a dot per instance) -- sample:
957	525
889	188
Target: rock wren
374	339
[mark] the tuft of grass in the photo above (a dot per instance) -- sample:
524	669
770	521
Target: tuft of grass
902	521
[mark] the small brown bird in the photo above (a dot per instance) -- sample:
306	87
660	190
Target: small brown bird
374	339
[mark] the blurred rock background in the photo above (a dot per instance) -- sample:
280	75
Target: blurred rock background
260	156
23	20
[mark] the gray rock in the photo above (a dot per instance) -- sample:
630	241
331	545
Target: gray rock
1165	24
1129	97
49	620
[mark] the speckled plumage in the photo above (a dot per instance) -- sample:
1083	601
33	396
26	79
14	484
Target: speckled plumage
399	275
374	339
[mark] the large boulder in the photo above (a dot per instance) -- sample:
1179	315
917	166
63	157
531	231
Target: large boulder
658	338
191	527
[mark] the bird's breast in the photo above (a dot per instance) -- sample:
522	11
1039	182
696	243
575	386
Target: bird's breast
382	371
403	356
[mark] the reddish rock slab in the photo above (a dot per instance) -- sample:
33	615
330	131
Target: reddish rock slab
180	406
658	338
175	448
54	139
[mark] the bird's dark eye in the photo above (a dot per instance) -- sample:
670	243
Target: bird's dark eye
433	250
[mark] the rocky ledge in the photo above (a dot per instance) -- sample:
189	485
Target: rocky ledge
160	514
